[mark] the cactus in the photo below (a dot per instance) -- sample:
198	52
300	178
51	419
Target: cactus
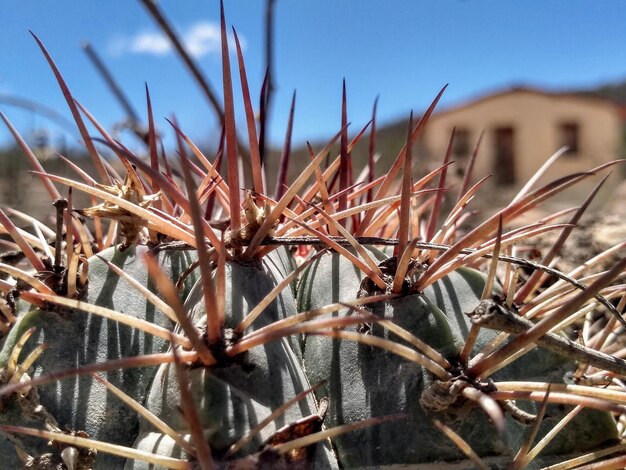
193	339
240	392
381	383
75	339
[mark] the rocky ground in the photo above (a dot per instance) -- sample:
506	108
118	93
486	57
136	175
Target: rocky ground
603	228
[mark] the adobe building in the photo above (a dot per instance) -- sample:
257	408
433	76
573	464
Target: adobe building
522	128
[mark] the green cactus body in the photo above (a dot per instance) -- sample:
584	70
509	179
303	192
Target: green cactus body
366	382
76	339
233	398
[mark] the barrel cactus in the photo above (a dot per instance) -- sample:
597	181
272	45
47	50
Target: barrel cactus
75	339
364	381
188	333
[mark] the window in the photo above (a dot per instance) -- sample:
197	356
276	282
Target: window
461	144
569	137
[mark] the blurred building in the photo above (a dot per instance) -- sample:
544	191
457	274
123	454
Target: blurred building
522	128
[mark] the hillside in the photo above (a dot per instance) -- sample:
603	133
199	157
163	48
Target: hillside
389	140
613	91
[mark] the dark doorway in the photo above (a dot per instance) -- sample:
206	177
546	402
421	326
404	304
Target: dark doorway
504	155
569	133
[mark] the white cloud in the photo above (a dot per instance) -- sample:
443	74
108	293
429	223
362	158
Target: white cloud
203	38
200	39
149	43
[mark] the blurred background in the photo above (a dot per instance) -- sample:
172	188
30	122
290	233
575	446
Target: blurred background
530	77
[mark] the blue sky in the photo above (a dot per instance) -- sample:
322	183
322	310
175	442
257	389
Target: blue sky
402	50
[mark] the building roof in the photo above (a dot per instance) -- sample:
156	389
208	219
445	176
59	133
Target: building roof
536	91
